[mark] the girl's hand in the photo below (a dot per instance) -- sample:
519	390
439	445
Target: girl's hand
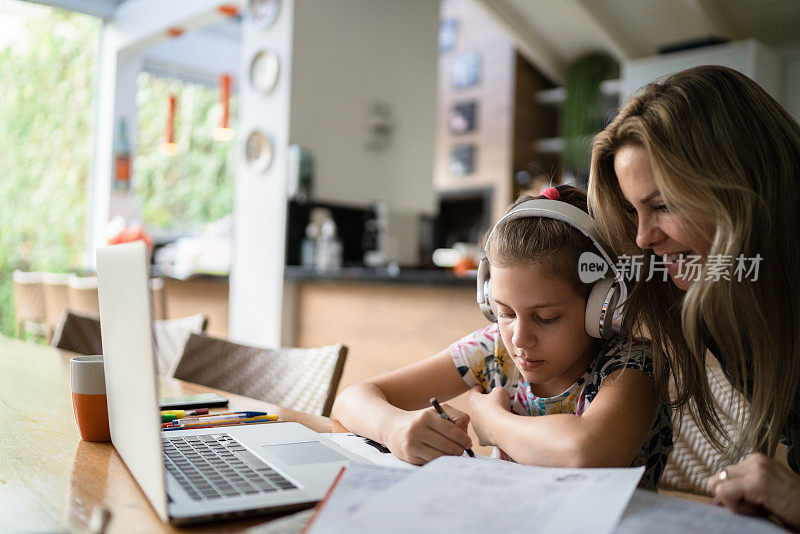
759	483
420	436
482	405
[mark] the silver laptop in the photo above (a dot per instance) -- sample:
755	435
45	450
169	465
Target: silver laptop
192	475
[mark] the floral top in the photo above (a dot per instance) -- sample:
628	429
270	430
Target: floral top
482	359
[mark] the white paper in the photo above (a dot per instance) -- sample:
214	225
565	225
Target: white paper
358	445
460	494
657	514
358	484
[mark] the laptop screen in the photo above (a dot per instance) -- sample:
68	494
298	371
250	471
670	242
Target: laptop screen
129	362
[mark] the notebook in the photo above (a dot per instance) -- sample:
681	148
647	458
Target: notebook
201	474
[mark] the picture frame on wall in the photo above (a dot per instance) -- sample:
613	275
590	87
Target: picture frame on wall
462	117
462	159
448	35
465	70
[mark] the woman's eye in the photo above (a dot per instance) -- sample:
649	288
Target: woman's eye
661	208
548	320
502	315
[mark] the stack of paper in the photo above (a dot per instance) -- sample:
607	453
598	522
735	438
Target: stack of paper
459	494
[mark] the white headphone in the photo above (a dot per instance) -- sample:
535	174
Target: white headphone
607	294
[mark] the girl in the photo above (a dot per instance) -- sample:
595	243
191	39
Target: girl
706	166
593	401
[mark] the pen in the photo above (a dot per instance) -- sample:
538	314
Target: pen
169	415
220	417
435	404
217	420
255	421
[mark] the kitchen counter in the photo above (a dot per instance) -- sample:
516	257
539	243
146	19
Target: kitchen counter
432	277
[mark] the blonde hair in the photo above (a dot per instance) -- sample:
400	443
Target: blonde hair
725	155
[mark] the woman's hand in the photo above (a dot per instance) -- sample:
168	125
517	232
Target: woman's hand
482	405
420	436
759	483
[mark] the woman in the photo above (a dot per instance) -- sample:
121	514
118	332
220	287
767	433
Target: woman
700	175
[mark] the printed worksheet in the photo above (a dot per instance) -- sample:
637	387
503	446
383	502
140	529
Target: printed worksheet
357	485
460	494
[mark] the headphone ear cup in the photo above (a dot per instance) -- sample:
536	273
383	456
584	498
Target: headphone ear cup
600	308
485	291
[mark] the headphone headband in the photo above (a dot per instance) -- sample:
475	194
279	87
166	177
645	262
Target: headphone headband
562	211
576	218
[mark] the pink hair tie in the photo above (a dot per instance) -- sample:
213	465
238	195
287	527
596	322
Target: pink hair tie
551	193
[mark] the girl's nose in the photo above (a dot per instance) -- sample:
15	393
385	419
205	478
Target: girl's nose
524	337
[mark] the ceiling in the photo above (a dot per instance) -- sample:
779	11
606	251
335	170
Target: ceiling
553	33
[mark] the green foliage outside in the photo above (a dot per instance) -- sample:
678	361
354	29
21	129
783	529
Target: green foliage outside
196	185
47	111
46	115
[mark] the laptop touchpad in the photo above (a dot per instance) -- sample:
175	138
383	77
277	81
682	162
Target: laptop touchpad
309	452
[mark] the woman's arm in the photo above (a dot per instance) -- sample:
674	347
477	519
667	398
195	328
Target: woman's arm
608	434
758	483
394	409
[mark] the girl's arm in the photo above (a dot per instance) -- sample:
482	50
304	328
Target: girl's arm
608	434
394	409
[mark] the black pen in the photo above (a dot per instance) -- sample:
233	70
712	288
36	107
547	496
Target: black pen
435	404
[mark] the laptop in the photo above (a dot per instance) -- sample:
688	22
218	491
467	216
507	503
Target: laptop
201	474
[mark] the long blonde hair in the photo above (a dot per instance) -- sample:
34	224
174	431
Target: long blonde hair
724	154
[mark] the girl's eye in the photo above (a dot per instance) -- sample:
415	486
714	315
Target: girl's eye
661	208
501	315
549	320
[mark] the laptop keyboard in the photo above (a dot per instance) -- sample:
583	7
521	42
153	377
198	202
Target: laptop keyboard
217	466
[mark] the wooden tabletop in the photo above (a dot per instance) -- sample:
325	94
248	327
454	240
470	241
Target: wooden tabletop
52	481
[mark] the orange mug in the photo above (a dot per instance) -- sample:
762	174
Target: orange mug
89	397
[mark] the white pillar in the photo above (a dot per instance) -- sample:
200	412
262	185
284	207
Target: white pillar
116	99
256	283
135	26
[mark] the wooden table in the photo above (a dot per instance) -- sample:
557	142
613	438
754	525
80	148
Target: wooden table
50	480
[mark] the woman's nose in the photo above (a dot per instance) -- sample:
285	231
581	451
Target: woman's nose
647	233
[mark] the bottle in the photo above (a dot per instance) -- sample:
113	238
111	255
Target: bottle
308	246
328	255
122	159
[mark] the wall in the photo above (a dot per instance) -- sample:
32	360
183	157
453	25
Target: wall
791	82
346	56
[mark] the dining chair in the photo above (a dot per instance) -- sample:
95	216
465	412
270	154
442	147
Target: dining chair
56	299
81	333
29	303
158	297
304	379
693	458
82	293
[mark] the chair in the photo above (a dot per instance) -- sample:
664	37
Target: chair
693	459
83	295
56	299
78	333
171	336
159	299
301	379
29	303
81	333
